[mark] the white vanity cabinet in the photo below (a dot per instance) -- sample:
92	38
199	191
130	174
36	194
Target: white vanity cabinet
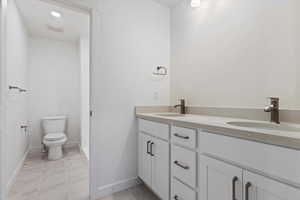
232	168
219	180
182	163
258	187
185	137
160	168
145	159
181	192
154	157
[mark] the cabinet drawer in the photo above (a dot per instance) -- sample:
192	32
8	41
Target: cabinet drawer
181	191
277	162
184	165
154	128
184	136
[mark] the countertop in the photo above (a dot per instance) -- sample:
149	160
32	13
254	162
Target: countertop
218	125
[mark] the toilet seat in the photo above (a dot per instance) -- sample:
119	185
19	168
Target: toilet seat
54	136
55	142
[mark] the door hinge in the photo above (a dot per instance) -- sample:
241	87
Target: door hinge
91	113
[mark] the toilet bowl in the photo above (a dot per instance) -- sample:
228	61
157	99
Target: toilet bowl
54	143
54	136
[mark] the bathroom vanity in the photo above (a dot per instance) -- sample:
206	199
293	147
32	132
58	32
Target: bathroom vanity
193	157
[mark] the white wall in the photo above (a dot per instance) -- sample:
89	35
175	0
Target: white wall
133	40
15	140
236	53
85	93
54	84
2	94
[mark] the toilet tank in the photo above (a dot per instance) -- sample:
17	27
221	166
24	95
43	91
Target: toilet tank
55	124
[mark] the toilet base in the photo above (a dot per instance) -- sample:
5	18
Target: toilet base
55	148
55	152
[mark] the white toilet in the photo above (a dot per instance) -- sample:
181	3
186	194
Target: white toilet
54	135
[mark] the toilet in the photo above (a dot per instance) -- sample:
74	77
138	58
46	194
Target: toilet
54	135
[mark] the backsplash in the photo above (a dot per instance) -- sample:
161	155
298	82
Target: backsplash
292	116
153	109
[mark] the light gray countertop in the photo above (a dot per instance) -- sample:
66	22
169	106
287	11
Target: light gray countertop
218	125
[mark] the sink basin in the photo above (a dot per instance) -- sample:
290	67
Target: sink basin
170	115
266	126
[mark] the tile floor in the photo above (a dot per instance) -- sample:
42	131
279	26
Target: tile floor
136	193
65	179
40	179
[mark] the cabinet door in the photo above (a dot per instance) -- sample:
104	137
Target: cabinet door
160	168
258	187
218	180
145	158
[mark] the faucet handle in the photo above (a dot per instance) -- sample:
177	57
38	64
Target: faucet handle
182	99
274	101
273	98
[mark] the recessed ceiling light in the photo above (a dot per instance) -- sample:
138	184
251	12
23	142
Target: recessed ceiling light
56	14
195	3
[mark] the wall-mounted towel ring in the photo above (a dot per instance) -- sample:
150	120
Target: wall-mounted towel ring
160	71
22	90
11	87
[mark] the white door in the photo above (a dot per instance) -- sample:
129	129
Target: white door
258	187
219	180
160	168
145	158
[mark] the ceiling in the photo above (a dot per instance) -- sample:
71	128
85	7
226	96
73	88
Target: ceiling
70	27
169	3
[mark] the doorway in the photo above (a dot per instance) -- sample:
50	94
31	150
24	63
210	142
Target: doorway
48	47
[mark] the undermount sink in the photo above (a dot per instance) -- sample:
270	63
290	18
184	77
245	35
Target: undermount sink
170	115
266	126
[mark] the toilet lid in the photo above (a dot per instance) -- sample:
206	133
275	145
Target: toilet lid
54	136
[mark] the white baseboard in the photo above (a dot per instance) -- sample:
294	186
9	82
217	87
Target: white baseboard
71	145
13	177
85	151
35	150
116	187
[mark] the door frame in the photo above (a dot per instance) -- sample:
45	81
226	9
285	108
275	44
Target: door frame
3	7
94	15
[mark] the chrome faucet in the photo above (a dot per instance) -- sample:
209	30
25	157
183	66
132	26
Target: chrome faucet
182	106
273	108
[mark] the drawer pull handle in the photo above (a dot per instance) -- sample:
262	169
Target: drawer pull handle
181	136
148	152
247	187
151	148
234	180
176	197
176	162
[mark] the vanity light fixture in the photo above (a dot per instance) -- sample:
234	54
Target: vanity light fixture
195	3
55	14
